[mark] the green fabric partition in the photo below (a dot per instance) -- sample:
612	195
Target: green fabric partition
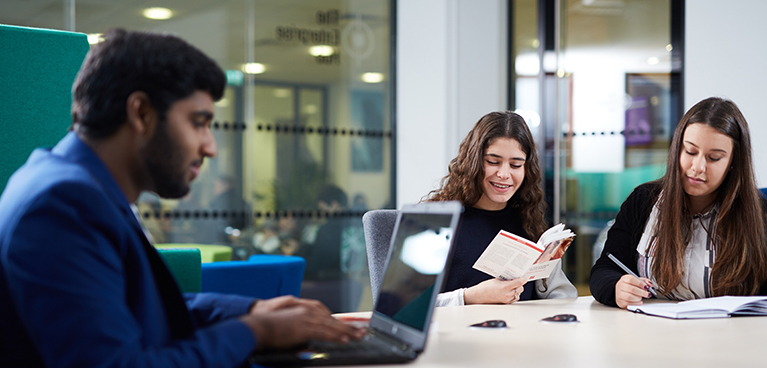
209	252
185	265
37	69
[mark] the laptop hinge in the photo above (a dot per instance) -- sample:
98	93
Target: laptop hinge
392	341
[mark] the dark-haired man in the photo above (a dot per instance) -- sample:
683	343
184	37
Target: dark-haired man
80	285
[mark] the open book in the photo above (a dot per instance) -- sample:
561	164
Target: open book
719	307
511	256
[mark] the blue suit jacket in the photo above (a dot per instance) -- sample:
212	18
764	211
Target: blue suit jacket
80	286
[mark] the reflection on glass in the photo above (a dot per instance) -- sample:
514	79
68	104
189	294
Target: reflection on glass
426	252
526	63
291	123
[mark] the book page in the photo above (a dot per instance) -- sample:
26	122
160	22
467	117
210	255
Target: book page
508	256
547	261
554	250
554	233
728	303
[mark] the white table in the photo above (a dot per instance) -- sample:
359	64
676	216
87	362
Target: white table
604	337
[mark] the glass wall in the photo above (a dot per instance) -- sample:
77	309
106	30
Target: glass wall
617	108
597	82
303	131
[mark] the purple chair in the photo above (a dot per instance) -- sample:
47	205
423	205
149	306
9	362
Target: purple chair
261	276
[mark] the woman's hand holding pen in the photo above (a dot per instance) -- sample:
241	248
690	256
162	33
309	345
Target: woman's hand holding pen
630	290
494	291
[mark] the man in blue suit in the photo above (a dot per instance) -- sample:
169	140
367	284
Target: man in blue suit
80	284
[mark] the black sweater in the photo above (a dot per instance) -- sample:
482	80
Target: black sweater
622	241
475	232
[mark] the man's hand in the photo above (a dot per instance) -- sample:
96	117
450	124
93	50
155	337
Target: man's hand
282	302
287	321
494	291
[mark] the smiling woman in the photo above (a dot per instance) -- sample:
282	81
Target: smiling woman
504	173
496	177
699	231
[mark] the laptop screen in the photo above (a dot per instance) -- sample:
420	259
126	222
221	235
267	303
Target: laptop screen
417	257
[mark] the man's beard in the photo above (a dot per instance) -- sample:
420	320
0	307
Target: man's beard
163	160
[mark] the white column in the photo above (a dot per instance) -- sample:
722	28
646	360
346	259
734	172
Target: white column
451	70
725	57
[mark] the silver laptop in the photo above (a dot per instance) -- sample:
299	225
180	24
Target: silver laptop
419	256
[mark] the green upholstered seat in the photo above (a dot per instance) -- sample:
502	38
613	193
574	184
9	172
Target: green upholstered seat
185	265
209	253
37	69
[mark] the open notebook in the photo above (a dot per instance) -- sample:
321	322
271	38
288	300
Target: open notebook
719	307
419	253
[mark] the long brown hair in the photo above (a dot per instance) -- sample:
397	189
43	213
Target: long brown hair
465	172
738	234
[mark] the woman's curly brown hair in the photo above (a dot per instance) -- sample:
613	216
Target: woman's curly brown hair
465	172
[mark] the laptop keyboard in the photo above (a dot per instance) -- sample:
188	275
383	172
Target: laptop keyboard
368	345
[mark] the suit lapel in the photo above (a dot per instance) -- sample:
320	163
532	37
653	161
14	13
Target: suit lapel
176	311
175	307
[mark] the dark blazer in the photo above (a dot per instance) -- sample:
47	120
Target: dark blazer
622	241
80	286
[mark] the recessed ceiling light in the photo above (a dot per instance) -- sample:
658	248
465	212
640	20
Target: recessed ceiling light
653	60
372	77
158	13
253	68
669	47
321	50
94	38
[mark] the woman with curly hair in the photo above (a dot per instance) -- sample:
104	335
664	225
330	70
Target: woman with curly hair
497	178
699	231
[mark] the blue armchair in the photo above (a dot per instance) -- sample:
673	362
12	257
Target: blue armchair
261	276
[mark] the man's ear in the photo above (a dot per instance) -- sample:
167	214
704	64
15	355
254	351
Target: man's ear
141	115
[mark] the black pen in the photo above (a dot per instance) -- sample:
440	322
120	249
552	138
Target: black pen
623	266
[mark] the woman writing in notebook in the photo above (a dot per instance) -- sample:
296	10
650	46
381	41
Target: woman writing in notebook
697	232
497	178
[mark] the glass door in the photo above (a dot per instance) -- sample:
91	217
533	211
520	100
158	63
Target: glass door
599	84
617	106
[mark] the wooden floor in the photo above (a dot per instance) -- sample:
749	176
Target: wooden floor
583	289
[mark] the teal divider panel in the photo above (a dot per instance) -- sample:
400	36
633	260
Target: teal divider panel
185	265
37	69
607	191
